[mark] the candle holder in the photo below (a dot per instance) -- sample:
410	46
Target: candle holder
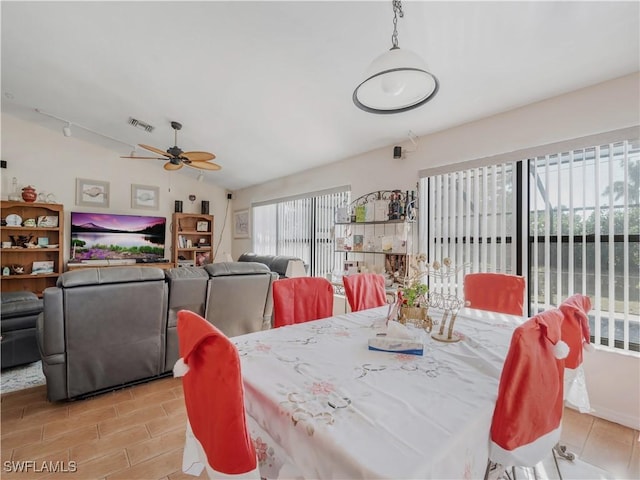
450	305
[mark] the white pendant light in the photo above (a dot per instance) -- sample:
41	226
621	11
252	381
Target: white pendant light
397	80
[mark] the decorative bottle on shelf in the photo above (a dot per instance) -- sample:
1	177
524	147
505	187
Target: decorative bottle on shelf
395	205
391	200
14	196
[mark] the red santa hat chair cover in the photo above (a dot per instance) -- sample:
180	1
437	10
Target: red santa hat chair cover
495	292
217	434
301	299
528	413
576	332
364	290
575	328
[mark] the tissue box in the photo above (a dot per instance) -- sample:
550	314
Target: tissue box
396	345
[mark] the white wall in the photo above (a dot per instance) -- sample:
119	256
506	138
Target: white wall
613	379
50	162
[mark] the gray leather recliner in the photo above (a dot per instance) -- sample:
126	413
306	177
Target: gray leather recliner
188	288
18	314
102	328
239	297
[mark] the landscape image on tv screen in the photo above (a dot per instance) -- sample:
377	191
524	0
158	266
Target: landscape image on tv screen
104	236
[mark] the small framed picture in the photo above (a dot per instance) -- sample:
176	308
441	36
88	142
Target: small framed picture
47	221
43	241
145	197
202	226
92	193
39	268
241	227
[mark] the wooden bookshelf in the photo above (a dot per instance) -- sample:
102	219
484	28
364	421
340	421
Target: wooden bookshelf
192	239
46	244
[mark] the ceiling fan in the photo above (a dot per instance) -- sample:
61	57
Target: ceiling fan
177	158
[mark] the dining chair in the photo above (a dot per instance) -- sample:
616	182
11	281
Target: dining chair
527	418
575	333
217	436
301	299
364	290
575	328
495	292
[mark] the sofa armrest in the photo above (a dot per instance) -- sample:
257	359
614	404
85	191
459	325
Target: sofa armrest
50	326
50	339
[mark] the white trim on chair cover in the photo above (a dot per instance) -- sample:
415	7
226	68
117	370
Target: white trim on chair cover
575	389
194	460
526	455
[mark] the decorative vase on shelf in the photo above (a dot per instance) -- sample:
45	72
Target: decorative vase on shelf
29	194
14	196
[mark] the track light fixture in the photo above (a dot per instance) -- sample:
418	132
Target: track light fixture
66	130
397	80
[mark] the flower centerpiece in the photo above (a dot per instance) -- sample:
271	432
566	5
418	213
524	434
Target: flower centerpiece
412	296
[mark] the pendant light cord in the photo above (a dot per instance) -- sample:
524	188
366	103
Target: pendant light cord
397	10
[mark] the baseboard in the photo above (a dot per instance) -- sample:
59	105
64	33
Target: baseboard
616	417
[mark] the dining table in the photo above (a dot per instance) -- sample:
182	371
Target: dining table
342	411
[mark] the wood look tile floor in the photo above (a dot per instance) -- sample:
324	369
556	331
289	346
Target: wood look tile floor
138	433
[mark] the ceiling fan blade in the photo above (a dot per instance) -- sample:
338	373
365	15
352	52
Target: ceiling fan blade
203	165
198	156
146	158
173	166
155	150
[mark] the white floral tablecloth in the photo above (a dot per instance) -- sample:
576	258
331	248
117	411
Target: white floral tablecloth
342	411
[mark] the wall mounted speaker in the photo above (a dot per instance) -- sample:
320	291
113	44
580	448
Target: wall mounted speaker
178	206
205	207
397	151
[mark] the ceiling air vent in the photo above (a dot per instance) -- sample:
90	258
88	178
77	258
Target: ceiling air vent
141	125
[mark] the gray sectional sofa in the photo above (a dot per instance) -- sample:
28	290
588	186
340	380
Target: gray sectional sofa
18	314
103	328
276	263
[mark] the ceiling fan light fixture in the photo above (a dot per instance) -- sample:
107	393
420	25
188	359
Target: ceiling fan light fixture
175	158
397	80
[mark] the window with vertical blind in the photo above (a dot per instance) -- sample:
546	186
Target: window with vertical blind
581	209
301	226
584	228
470	217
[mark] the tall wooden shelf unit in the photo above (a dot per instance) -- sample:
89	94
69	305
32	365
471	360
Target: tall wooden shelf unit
26	256
377	239
188	231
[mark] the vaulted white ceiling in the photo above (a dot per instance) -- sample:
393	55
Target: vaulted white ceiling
267	86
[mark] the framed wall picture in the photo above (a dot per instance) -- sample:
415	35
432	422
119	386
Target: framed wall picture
241	227
145	197
92	193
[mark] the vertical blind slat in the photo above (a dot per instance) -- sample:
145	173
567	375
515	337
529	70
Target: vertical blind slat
476	220
625	245
547	234
597	246
611	247
571	268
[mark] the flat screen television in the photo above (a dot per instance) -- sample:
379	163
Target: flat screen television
107	236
